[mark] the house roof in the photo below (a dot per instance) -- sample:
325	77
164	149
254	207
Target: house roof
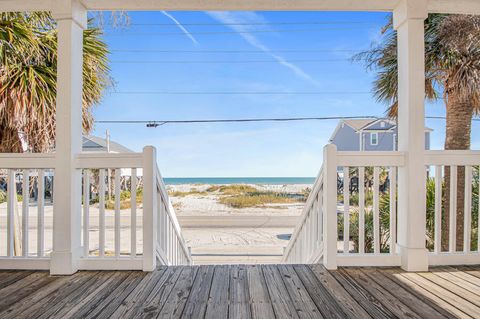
358	124
97	144
362	124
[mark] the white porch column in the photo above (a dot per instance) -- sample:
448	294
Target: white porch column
71	17
409	19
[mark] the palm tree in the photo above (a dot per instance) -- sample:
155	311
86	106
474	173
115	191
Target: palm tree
28	70
452	72
28	74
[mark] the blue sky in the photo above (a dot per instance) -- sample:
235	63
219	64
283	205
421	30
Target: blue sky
241	149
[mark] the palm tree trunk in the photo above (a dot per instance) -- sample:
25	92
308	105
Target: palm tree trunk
458	129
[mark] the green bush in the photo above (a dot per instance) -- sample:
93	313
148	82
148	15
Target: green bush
384	209
3	196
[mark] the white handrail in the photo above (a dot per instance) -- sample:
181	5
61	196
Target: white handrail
452	158
309	205
173	217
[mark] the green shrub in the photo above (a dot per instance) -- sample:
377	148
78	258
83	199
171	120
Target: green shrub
3	196
384	209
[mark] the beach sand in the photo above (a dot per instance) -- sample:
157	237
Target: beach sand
219	234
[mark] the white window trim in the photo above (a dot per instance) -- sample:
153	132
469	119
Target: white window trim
371	139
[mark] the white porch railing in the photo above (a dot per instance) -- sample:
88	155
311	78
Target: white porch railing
127	223
443	231
350	218
24	243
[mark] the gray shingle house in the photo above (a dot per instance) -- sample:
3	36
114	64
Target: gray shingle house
369	135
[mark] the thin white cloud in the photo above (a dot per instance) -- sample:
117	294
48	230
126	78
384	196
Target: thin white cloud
181	27
238	21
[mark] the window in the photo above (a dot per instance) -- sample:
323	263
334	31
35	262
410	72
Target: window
373	138
382	124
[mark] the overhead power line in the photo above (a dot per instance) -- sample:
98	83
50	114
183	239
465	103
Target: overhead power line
156	123
224	61
233	51
119	34
241	93
290	119
252	23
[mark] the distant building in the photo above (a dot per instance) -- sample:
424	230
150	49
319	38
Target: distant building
97	144
369	135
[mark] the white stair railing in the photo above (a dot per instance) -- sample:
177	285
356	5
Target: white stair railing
306	243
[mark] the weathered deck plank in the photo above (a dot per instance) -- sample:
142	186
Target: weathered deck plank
239	297
260	303
239	291
407	297
301	299
282	303
386	298
348	304
218	300
198	299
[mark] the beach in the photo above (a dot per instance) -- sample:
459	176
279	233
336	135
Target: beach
221	234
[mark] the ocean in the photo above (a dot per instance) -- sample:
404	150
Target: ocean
240	180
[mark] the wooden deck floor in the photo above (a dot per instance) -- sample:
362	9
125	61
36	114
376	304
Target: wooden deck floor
270	291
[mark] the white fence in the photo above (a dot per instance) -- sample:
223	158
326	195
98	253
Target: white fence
350	218
127	222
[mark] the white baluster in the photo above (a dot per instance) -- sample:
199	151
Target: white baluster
320	217
86	213
41	214
11	202
376	211
361	210
453	209
438	210
133	216
101	222
467	228
346	210
117	213
25	211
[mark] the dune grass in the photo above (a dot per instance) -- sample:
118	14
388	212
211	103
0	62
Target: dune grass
193	191
256	199
232	189
243	196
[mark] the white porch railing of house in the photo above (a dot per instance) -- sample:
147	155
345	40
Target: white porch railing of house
465	162
20	247
135	238
342	232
